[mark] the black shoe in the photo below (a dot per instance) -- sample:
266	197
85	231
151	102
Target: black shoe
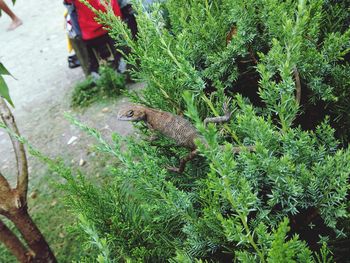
73	61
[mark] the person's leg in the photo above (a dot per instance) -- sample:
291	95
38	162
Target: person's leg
80	49
116	54
16	22
129	19
103	47
93	62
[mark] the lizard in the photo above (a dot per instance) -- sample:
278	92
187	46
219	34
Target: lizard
173	126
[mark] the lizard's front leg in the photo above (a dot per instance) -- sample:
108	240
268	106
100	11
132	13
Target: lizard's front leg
153	137
183	162
220	119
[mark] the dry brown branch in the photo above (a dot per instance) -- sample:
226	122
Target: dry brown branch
21	159
297	85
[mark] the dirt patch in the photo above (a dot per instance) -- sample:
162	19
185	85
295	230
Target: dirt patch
36	55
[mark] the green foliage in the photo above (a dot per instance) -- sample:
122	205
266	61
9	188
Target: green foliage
182	45
156	219
84	93
267	205
325	256
4	91
341	120
290	251
280	180
109	85
100	243
146	230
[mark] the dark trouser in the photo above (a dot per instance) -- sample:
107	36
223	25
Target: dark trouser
100	49
80	50
129	19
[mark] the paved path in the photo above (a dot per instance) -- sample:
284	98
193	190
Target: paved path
36	52
36	55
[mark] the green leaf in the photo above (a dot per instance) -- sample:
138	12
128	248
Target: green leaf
4	91
3	70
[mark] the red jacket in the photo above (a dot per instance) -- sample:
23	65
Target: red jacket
86	18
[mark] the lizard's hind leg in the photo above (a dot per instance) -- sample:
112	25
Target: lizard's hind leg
183	162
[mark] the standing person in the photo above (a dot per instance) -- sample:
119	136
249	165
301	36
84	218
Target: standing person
16	22
75	43
99	44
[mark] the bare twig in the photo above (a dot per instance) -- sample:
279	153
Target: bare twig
297	85
22	166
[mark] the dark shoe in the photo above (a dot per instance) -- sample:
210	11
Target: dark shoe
73	61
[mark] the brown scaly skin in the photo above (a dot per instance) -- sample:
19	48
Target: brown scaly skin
168	124
172	126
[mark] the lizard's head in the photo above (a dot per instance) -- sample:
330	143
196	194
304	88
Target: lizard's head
132	113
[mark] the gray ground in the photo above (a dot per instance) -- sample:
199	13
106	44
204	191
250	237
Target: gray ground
36	54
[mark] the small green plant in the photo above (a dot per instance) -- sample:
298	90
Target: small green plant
84	93
109	85
4	91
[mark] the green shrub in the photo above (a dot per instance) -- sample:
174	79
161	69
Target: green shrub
109	85
276	204
145	214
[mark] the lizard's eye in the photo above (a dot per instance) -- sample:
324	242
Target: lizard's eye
130	113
